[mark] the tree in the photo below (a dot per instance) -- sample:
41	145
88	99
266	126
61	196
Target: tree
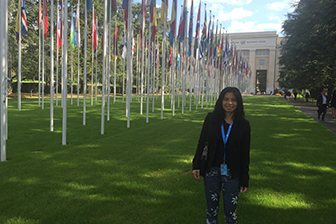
310	41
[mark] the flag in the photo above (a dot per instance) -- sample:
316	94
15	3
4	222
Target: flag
162	11
125	7
208	37
178	62
143	18
111	4
182	22
59	39
191	26
198	21
204	32
173	24
72	34
78	26
114	7
153	18
123	45
226	52
45	18
89	4
115	41
94	38
24	28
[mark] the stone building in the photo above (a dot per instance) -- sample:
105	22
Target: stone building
262	50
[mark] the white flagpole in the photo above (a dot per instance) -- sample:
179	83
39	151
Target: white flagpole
142	64
104	64
62	28
78	65
65	63
148	67
96	89
153	82
3	66
19	59
85	62
109	66
71	85
39	72
115	67
52	66
163	59
129	49
123	81
92	65
56	84
42	59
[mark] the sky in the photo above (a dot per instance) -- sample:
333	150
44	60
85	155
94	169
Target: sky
240	15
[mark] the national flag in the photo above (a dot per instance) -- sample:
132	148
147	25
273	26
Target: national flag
204	32
173	24
125	7
200	50
78	25
191	26
182	22
89	4
58	27
198	21
208	37
45	20
24	28
115	41
72	34
123	45
111	4
163	2
226	51
143	18
153	17
94	38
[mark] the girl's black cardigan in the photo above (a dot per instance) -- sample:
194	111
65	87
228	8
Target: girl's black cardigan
238	147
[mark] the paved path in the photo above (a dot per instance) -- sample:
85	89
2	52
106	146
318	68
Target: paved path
310	109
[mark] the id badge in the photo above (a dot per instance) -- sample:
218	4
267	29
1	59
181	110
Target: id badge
224	169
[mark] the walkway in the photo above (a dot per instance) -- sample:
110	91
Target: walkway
310	109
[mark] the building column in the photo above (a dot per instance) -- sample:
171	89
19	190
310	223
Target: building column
252	88
271	72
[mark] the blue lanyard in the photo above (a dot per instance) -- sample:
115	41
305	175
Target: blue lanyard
225	138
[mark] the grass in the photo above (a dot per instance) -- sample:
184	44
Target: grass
143	174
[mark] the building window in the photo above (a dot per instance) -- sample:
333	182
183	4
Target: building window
248	53
267	52
263	52
256	52
262	62
244	53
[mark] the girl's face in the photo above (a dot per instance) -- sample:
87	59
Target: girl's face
229	103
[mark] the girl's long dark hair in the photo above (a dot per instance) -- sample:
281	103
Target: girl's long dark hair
219	112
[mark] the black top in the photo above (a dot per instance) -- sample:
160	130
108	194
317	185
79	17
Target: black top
238	148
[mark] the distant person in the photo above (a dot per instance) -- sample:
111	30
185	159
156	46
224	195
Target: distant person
333	104
227	134
307	96
322	103
295	95
288	95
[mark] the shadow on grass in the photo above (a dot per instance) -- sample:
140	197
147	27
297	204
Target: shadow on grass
142	174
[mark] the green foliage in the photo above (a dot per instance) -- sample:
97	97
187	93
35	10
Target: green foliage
30	43
309	57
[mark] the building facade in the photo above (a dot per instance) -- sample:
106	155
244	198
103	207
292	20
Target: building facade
262	50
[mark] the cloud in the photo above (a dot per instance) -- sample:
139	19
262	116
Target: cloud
236	13
230	2
237	26
277	6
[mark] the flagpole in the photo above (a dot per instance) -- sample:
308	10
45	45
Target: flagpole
163	58
56	84
115	64
44	7
153	80
203	64
85	62
39	75
65	63
96	89
129	49
71	86
92	63
62	29
19	58
109	64
142	64
52	67
123	59
104	64
6	71
149	48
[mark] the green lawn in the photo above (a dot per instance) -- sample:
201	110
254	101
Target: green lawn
143	174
